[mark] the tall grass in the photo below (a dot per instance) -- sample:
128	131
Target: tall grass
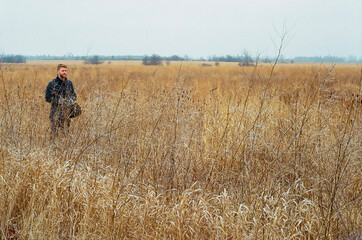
184	152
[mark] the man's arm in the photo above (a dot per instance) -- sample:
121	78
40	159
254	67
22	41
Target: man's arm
73	95
48	93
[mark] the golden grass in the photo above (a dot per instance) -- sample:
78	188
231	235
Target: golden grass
183	152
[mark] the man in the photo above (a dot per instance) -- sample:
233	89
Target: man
60	93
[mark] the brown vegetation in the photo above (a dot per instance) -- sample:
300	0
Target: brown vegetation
184	152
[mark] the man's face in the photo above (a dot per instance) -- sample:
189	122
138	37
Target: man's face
62	73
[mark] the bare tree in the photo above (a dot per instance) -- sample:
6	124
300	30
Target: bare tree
93	60
152	60
246	59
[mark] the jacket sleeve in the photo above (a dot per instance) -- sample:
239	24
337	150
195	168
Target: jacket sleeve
48	93
73	95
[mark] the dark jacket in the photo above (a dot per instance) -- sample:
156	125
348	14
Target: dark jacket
58	91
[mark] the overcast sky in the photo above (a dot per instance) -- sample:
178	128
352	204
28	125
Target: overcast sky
197	28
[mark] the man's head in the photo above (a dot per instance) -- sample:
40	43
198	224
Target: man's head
62	71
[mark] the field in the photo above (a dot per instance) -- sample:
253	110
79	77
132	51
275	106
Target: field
183	152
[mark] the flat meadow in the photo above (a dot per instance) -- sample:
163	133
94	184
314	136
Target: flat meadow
183	151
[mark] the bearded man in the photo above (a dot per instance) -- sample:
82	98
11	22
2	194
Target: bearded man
60	93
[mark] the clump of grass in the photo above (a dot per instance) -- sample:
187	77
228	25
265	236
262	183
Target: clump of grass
184	152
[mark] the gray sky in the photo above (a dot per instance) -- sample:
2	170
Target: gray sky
198	28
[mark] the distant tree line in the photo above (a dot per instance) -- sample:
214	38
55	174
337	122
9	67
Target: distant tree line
244	60
174	58
12	59
325	59
155	59
227	58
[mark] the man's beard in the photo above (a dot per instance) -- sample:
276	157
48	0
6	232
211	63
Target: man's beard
63	75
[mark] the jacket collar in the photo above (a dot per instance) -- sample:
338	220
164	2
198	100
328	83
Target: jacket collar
57	79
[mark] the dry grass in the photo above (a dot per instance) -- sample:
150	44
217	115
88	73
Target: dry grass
184	152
